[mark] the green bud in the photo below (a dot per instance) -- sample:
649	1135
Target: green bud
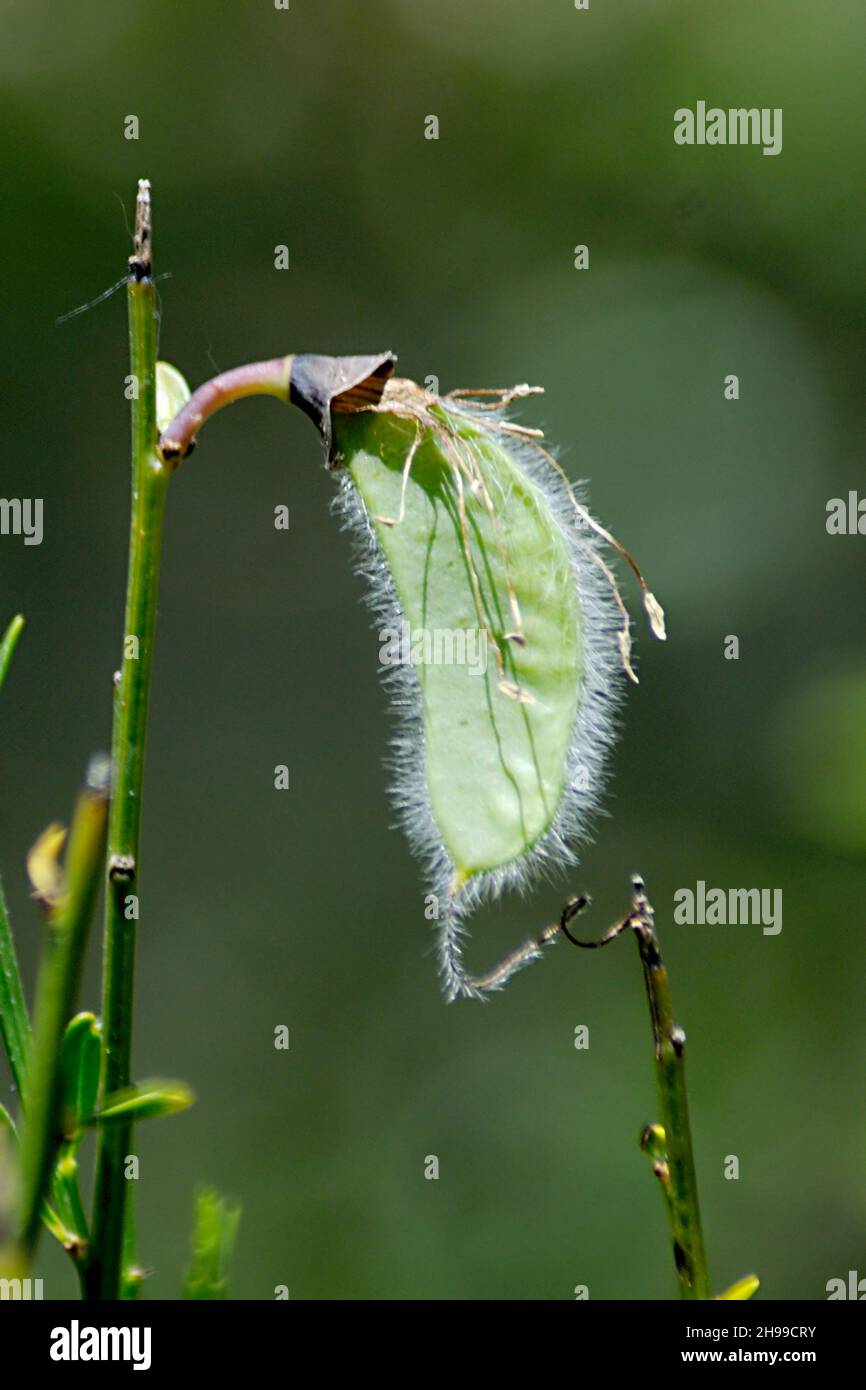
146	1101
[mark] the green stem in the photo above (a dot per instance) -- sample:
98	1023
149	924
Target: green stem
677	1172
8	643
150	477
16	1033
14	1021
56	992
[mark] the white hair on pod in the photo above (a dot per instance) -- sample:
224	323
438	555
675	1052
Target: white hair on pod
592	735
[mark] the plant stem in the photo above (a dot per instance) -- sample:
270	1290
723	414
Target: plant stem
16	1033
8	643
14	1021
676	1171
671	1143
270	378
317	385
56	992
150	476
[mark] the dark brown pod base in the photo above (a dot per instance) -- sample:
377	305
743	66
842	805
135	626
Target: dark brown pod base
320	385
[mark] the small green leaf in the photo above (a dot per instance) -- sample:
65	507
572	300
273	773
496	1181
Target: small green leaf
215	1225
79	1066
146	1101
55	1227
67	1198
172	393
67	1237
743	1290
8	643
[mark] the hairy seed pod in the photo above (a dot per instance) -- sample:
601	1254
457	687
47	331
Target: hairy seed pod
502	641
503	636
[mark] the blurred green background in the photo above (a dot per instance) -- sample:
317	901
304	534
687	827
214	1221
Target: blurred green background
261	127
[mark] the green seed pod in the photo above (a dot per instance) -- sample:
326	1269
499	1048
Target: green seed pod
503	633
502	640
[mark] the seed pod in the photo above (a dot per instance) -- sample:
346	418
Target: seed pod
503	642
504	636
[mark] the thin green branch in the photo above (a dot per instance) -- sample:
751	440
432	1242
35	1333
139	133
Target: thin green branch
17	1040
8	643
14	1020
57	988
150	477
669	1144
676	1170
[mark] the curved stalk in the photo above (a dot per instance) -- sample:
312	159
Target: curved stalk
269	378
317	385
